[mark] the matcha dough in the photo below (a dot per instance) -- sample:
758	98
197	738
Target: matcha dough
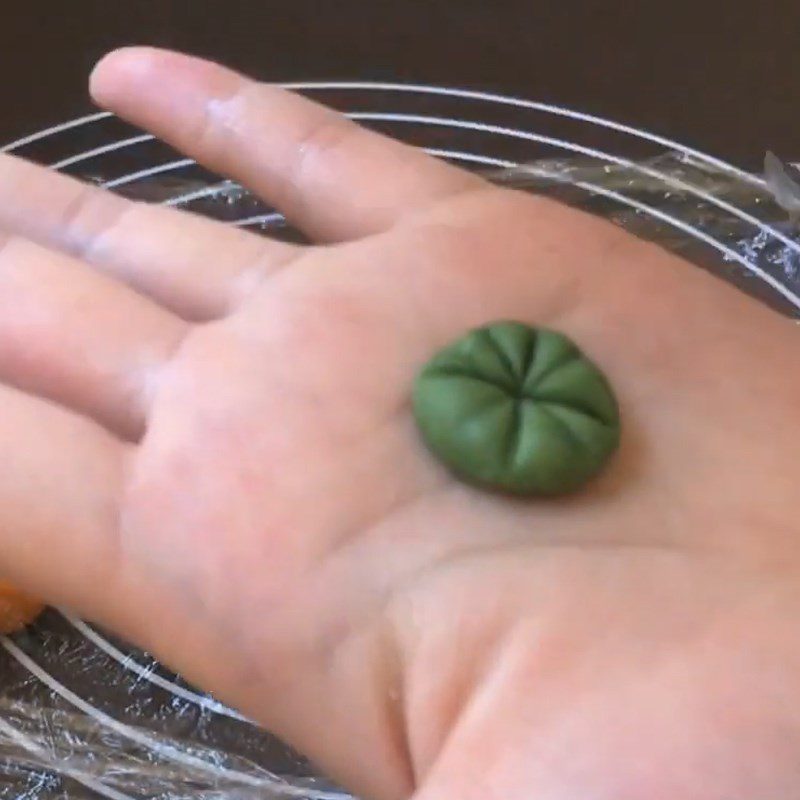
517	409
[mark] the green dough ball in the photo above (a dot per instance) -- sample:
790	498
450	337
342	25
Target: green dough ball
517	409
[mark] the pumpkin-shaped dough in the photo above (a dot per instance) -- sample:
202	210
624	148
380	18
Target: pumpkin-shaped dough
517	409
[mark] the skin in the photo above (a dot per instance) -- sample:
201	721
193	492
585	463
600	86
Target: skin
208	448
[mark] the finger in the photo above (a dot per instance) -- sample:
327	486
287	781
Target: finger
81	338
188	264
60	482
329	176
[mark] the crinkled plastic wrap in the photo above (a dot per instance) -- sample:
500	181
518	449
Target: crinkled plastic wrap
85	716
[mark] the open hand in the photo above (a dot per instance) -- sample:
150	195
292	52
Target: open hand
207	446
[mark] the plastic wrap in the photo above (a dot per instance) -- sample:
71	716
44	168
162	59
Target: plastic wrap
82	715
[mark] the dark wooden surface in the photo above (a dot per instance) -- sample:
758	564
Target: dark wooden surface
721	76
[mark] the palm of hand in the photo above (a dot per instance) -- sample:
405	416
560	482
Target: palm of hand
279	508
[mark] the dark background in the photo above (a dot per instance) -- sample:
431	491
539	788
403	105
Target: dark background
724	77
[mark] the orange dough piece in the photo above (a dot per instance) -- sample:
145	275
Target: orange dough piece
16	608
